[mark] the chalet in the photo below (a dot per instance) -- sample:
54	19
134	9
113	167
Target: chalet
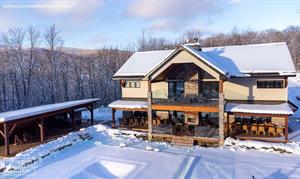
201	95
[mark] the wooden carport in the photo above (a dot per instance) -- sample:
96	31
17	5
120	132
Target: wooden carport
11	119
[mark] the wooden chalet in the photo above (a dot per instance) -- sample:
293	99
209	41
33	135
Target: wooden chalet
207	94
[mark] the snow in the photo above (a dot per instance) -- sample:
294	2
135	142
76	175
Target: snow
145	61
255	58
293	93
128	104
283	108
102	114
28	112
102	157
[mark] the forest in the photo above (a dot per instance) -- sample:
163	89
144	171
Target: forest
36	68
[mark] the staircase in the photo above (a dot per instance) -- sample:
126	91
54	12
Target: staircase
182	141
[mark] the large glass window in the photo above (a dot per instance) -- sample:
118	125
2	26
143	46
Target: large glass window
210	89
176	88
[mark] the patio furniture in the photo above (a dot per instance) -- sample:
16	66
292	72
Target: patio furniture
261	130
271	131
280	131
254	129
246	129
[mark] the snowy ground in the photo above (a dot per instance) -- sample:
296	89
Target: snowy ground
96	152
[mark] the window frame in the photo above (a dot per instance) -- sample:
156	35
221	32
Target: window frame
132	84
270	84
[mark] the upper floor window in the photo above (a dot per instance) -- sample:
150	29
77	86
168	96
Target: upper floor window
270	84
132	84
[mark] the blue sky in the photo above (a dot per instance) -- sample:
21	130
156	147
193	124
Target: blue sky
98	23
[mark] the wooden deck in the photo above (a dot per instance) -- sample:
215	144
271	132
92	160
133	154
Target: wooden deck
261	138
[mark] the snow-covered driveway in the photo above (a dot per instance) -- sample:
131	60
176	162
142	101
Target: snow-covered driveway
109	162
114	162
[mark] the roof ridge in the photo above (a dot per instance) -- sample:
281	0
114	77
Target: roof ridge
257	44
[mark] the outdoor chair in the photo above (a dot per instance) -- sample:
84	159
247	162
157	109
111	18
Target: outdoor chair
245	129
271	131
279	131
261	130
254	129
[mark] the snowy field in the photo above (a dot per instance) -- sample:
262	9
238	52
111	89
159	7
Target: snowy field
102	152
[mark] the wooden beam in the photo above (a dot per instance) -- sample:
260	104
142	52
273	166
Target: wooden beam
92	114
132	109
286	130
150	126
185	108
258	115
221	86
12	130
73	120
2	133
113	118
6	139
228	124
42	130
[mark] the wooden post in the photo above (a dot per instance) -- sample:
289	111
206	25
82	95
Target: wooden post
286	130
221	112
6	139
73	119
42	130
149	111
227	125
92	114
113	117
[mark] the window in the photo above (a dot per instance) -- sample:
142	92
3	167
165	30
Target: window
132	84
176	88
270	84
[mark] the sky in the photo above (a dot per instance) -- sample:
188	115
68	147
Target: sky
92	24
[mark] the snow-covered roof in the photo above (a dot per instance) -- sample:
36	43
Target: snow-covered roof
129	104
256	58
141	63
234	61
38	110
279	109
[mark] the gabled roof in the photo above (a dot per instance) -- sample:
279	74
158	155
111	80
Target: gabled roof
231	61
141	63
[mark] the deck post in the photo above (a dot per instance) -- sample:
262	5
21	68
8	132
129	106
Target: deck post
221	112
92	114
286	130
73	119
6	139
149	111
42	130
227	124
113	117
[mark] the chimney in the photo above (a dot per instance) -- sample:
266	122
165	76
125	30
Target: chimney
194	43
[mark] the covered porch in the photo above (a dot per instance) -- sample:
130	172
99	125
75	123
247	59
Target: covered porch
167	123
32	126
263	122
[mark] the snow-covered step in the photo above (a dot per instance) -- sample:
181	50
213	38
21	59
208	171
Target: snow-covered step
183	141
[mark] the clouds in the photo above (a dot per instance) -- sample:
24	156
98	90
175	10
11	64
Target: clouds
76	11
178	15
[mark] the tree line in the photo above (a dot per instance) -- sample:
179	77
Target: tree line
36	69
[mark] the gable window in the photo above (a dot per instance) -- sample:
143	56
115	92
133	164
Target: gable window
270	84
132	84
